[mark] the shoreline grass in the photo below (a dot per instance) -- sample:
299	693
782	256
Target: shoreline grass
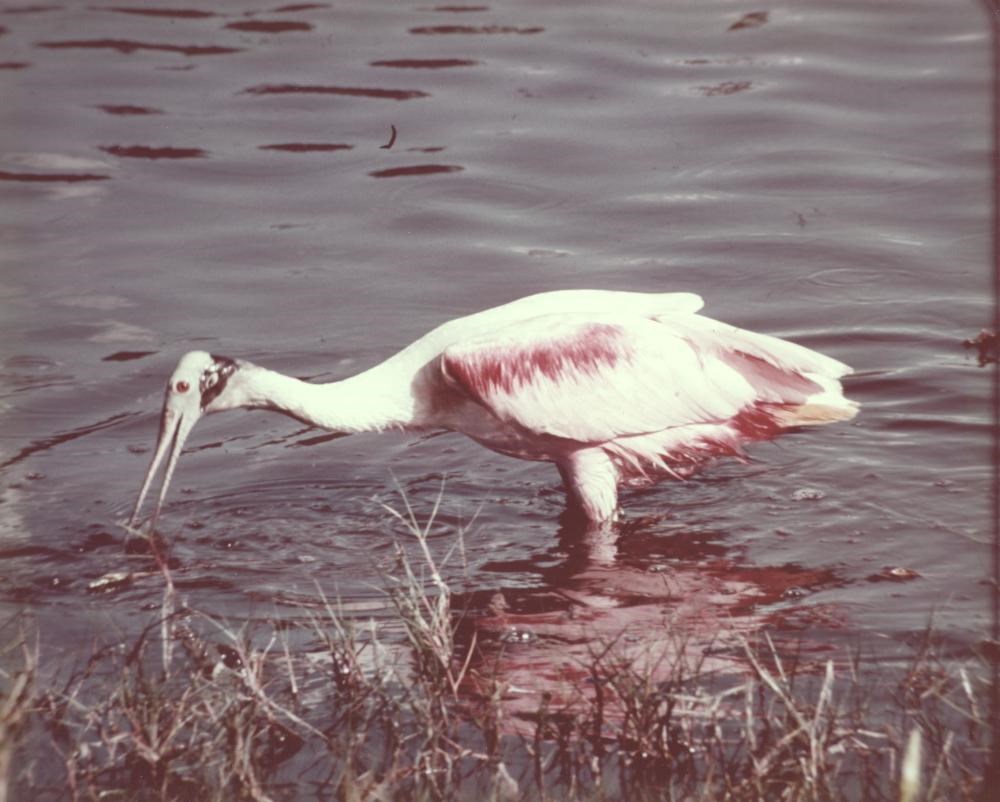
190	708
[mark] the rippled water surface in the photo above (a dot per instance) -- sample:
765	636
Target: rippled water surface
313	186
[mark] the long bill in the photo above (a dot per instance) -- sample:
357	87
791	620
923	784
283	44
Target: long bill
175	426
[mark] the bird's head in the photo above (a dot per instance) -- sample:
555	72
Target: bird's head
198	385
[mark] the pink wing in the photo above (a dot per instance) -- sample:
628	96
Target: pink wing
594	378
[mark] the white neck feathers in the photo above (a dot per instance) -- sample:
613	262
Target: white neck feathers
362	403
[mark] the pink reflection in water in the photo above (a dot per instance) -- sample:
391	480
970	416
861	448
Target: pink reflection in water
659	619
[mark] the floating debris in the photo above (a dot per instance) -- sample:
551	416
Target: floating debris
894	574
808	494
986	345
113	580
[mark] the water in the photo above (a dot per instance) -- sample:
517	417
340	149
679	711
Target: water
221	180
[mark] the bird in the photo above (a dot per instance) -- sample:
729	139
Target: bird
616	388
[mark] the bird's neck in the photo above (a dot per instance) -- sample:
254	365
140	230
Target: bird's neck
362	403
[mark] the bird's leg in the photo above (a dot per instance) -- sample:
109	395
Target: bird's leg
591	483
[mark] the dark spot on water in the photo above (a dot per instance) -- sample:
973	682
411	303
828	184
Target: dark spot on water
269	26
26	551
752	20
51	177
318	440
307	147
425	63
140	545
127	46
725	88
14	65
30	9
417	169
147	152
65	437
127	356
300	7
460	9
346	91
96	540
175	13
473	29
392	138
126	110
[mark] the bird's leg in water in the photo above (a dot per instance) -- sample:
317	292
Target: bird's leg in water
591	483
601	542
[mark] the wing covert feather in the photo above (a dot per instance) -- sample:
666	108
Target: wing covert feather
591	378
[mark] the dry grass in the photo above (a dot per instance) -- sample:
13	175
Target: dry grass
192	709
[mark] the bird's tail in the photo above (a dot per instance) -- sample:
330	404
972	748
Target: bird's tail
828	405
800	386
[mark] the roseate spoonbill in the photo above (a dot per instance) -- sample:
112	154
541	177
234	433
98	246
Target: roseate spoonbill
613	387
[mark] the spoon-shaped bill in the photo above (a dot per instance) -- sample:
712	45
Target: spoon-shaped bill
175	426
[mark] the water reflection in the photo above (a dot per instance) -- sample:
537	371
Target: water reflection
7	175
146	152
301	7
649	592
307	147
415	169
348	91
725	88
425	63
126	110
128	46
473	29
265	26
172	13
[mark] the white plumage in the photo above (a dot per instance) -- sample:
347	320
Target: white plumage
613	387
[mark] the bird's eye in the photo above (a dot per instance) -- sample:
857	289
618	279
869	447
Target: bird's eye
182	386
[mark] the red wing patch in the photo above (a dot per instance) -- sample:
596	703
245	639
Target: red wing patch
494	370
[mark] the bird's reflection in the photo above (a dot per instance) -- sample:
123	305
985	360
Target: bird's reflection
656	594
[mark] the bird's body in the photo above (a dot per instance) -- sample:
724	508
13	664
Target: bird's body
612	387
